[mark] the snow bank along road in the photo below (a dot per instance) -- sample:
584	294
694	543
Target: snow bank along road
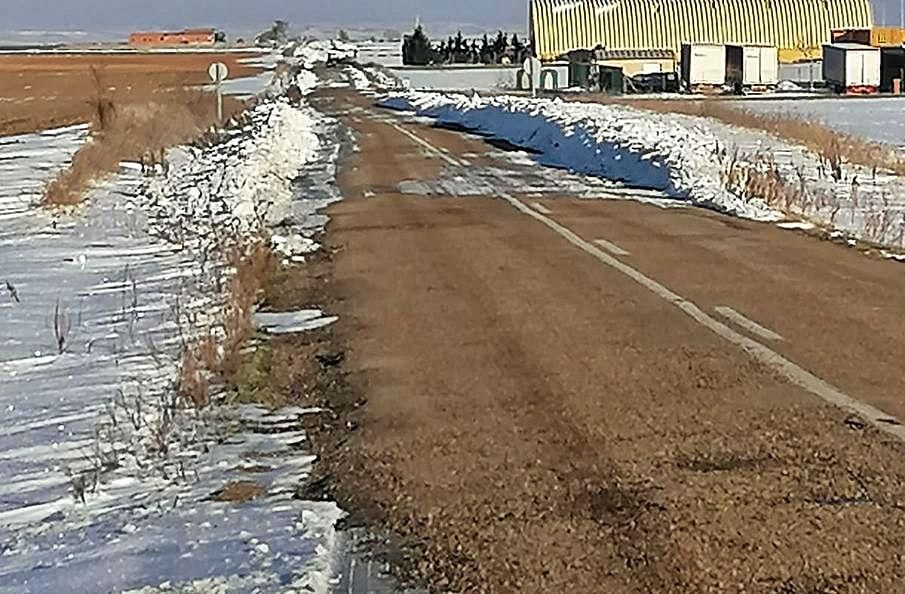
568	391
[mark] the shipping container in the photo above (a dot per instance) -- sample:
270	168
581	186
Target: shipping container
761	67
703	65
851	68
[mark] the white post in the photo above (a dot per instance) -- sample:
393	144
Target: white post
219	102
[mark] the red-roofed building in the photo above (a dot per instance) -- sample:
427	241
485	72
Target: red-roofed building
187	37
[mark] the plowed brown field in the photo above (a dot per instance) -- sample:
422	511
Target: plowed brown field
41	91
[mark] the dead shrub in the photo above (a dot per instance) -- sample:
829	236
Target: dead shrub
193	382
252	267
220	358
238	492
138	126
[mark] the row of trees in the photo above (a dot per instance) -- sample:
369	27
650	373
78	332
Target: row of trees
276	35
419	50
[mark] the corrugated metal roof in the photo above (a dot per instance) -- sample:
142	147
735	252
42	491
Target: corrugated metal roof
559	26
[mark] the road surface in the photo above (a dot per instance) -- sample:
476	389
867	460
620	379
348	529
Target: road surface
567	393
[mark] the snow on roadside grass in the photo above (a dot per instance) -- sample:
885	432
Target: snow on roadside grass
27	161
108	482
740	172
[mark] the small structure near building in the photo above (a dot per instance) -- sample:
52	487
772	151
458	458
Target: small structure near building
588	70
641	61
607	70
194	37
874	36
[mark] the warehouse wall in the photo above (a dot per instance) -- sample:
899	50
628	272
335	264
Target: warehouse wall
465	78
798	27
479	78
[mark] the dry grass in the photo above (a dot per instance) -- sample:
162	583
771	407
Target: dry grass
238	492
43	91
217	358
759	177
834	148
138	127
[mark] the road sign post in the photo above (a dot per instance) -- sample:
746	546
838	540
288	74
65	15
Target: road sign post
532	68
218	73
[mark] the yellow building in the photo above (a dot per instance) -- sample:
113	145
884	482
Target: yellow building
797	27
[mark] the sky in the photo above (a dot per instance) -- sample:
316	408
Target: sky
251	15
114	15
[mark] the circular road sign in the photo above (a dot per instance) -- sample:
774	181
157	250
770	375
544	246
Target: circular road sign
218	71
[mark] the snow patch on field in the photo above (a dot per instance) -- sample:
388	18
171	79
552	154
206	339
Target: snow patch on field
28	161
881	119
107	483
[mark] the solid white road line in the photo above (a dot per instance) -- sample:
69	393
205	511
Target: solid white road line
438	151
746	323
611	247
792	372
541	208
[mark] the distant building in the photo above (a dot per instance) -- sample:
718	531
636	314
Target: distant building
799	28
199	37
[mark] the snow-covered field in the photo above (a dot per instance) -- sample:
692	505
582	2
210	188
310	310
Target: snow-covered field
881	119
384	53
108	483
705	162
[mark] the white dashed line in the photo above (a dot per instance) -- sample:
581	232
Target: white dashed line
541	208
611	247
748	324
792	372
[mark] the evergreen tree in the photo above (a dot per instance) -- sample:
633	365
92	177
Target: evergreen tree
500	43
486	51
416	49
518	49
460	42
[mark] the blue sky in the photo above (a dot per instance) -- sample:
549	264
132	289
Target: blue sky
248	15
101	15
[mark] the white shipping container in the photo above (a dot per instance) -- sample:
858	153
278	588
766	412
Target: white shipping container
847	65
703	64
760	66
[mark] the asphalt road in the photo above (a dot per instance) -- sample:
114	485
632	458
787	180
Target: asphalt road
568	393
